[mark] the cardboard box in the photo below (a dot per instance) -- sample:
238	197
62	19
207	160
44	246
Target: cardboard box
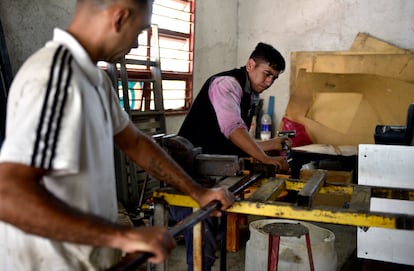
343	109
341	96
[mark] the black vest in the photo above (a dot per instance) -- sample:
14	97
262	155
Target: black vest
201	127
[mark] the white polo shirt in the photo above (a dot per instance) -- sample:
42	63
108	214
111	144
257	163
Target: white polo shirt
62	114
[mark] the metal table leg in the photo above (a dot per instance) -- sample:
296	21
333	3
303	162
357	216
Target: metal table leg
161	219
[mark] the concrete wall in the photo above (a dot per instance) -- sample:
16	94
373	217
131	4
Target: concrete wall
28	24
227	31
290	25
322	25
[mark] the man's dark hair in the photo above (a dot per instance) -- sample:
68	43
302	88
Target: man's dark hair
143	2
267	53
105	2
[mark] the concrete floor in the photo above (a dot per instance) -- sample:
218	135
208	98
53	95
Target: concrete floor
345	244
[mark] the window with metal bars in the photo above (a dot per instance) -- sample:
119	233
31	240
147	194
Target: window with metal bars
175	21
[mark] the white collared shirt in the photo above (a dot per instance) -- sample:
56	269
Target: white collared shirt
62	115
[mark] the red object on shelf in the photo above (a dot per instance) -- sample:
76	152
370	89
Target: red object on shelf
302	138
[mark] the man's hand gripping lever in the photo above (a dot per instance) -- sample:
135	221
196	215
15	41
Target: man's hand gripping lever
130	264
287	145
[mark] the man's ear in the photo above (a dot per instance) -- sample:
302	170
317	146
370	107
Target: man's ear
251	64
120	16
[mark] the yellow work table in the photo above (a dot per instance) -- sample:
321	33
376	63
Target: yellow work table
351	204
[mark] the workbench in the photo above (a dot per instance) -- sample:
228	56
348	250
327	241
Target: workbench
354	210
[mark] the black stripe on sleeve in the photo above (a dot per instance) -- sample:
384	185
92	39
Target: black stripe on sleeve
52	115
60	113
55	97
44	107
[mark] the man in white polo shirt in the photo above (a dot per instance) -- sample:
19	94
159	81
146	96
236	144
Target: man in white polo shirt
58	205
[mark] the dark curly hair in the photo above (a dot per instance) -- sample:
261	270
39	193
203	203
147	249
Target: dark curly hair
105	2
267	53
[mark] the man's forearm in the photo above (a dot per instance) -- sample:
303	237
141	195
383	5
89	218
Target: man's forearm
272	144
241	138
153	159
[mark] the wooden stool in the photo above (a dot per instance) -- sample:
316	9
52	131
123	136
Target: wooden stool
275	231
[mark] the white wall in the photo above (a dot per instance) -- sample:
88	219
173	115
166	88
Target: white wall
215	44
228	30
318	25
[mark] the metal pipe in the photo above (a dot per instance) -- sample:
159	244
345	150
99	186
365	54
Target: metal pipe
188	222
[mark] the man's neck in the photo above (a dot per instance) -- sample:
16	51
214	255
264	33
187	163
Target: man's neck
85	29
247	88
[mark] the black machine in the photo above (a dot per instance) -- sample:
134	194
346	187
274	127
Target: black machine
397	134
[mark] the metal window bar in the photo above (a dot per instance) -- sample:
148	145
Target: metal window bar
138	68
176	9
5	81
132	181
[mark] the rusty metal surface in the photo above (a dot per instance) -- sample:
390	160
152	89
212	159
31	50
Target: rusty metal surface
310	190
269	190
251	166
216	165
285	229
361	198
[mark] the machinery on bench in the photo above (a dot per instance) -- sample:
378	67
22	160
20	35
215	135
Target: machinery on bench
209	170
354	211
201	166
356	199
226	170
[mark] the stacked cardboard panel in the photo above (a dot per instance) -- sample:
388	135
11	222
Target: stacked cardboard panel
341	96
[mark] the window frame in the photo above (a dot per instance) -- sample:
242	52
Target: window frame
187	77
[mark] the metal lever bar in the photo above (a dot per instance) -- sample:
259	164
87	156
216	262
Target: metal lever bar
188	222
311	189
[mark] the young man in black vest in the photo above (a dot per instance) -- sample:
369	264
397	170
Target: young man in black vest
218	122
